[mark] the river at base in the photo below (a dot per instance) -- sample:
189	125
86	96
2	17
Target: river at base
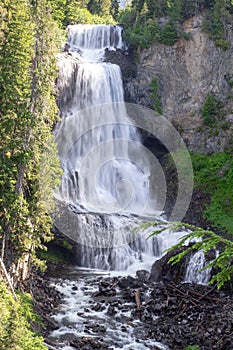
97	320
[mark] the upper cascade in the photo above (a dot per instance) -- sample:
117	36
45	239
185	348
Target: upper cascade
90	41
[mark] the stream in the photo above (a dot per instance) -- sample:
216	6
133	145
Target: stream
97	318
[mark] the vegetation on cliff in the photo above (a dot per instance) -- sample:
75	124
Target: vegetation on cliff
213	174
148	21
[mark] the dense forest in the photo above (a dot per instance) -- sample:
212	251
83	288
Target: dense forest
31	34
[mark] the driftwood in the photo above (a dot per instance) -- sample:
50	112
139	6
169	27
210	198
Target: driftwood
50	347
115	284
194	296
7	277
206	295
183	295
181	313
137	299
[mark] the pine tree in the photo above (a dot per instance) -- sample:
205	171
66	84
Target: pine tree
28	111
104	7
114	9
157	8
99	7
138	5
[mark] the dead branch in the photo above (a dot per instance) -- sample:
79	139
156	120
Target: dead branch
137	299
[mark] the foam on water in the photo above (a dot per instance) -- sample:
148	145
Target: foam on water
77	319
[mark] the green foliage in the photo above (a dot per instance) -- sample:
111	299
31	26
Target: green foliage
138	18
224	44
28	112
230	82
201	240
192	347
15	331
114	9
142	29
210	109
155	95
157	8
83	16
213	174
52	256
169	34
92	12
215	22
99	7
143	36
143	33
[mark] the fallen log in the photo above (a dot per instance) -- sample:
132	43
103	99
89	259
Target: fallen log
137	299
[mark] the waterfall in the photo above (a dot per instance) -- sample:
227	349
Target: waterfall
193	274
107	188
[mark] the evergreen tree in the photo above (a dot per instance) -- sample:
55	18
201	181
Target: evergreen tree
58	8
28	111
99	7
114	9
138	5
216	20
157	8
176	10
105	6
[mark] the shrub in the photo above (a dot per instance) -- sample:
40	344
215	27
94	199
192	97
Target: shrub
169	34
209	110
213	174
224	44
155	95
15	331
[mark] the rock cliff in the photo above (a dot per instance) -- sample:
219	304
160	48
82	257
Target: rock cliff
186	72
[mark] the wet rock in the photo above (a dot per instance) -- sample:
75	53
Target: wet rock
98	307
124	59
111	310
162	271
124	283
99	329
143	275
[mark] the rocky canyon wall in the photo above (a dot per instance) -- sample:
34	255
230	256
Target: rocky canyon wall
186	72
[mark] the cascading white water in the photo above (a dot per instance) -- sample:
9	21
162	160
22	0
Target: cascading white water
106	188
90	41
118	163
106	177
193	274
105	172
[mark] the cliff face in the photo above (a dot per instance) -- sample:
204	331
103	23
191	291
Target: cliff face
186	72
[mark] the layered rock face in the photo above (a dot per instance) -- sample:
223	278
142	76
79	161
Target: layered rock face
186	72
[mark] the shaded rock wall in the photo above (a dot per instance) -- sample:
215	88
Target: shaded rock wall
187	71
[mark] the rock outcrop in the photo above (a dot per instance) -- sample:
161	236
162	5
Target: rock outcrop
186	72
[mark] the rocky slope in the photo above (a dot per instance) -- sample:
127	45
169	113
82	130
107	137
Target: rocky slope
152	307
186	72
